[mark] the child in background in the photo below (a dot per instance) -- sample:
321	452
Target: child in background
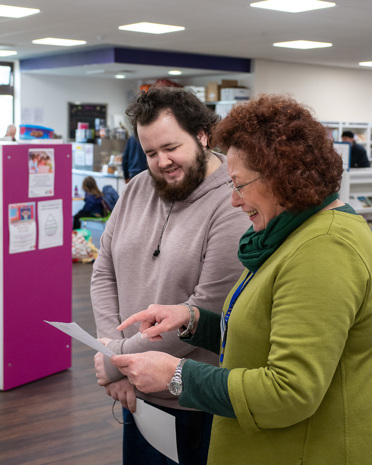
93	201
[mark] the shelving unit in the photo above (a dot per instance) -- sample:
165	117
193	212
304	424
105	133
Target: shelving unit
362	131
223	106
361	191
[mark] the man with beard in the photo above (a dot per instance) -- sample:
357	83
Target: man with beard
172	238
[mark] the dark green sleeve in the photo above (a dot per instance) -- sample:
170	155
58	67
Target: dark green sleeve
205	388
207	335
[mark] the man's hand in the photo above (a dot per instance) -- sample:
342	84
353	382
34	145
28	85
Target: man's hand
102	378
104	340
124	392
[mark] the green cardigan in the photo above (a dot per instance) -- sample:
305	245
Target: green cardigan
299	348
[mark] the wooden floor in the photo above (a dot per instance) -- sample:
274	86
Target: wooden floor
65	418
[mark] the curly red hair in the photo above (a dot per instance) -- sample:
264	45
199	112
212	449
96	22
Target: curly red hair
284	143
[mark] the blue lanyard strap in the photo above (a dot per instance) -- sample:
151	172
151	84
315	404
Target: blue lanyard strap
225	319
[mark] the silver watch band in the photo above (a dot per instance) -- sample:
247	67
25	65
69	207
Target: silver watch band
186	333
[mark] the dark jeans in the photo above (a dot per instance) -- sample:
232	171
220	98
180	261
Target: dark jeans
81	214
193	435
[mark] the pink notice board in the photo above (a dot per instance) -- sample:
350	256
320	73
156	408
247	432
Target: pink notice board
36	285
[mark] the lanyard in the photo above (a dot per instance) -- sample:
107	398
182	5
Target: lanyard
225	318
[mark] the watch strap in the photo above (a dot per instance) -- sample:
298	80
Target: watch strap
186	333
177	379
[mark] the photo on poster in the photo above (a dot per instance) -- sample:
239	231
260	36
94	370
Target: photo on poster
50	223
41	171
22	227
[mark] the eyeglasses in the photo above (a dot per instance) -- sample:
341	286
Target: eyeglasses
238	188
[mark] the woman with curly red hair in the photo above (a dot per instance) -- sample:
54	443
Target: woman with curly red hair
294	382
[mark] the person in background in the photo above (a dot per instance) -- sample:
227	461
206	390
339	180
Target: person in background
294	382
171	238
10	134
134	160
358	154
93	201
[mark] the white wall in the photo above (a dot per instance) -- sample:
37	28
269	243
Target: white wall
44	98
335	94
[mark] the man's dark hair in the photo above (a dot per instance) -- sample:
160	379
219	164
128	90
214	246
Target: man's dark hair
348	134
191	114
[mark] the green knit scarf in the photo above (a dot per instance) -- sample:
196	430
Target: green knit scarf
256	247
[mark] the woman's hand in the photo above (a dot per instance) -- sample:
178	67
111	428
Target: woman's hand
158	319
147	371
124	392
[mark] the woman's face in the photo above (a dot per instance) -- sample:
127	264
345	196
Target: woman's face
257	199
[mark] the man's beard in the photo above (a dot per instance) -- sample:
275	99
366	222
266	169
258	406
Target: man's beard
194	176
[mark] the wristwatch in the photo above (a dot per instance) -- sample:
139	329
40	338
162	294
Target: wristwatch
175	384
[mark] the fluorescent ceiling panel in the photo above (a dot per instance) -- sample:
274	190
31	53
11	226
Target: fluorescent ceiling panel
16	11
175	72
7	53
60	42
365	63
151	28
120	76
293	6
303	44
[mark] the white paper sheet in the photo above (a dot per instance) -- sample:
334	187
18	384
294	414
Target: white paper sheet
75	331
158	428
50	220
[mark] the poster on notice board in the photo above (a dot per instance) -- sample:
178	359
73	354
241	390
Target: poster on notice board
41	169
22	227
50	223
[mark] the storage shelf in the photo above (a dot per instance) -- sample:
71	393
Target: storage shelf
363	210
226	102
362	194
355	182
362	131
360	184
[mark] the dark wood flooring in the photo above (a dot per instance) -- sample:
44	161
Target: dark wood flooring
65	418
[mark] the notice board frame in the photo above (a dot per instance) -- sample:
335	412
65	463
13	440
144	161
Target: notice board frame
35	285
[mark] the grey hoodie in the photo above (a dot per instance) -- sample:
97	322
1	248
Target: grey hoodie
197	263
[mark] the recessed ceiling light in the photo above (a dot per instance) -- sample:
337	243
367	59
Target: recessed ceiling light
7	53
60	42
151	28
175	72
293	6
119	76
303	44
16	11
94	71
365	63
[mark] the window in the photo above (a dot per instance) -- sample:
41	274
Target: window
6	96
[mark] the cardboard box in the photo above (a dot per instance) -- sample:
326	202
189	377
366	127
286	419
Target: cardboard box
235	93
199	91
213	92
229	83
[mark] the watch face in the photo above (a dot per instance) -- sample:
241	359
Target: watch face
175	387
